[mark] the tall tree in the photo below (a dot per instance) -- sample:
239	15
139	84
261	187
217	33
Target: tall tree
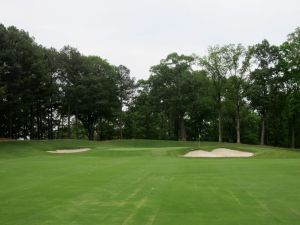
216	64
126	87
98	94
23	73
142	119
290	66
70	72
238	64
169	82
264	58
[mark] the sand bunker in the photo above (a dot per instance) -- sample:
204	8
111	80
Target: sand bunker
219	152
70	150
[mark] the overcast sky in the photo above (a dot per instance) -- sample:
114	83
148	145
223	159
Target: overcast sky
138	33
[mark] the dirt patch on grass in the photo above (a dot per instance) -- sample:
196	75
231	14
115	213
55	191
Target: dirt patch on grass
219	152
64	151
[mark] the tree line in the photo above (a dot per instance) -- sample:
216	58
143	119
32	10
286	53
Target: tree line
233	93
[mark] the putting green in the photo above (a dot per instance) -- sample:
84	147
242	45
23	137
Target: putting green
139	182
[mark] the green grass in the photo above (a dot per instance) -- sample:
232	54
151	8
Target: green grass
145	182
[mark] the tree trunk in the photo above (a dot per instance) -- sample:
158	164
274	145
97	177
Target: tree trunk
169	127
121	125
162	127
26	130
293	133
182	132
41	127
238	134
147	126
38	121
76	123
51	123
58	129
69	123
293	137
48	125
31	126
10	134
121	120
219	117
62	127
262	137
220	126
90	127
91	132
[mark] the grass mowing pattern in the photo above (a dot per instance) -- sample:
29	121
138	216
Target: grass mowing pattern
145	182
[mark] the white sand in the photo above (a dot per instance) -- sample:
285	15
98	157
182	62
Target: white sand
219	152
70	150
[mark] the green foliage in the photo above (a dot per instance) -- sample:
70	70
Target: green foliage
232	94
177	89
40	88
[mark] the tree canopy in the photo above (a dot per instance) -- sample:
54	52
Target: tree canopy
234	93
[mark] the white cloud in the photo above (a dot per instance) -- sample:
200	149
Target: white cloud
138	33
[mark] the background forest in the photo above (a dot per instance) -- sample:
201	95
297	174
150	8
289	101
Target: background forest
234	93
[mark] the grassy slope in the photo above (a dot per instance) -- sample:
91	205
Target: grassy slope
145	182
